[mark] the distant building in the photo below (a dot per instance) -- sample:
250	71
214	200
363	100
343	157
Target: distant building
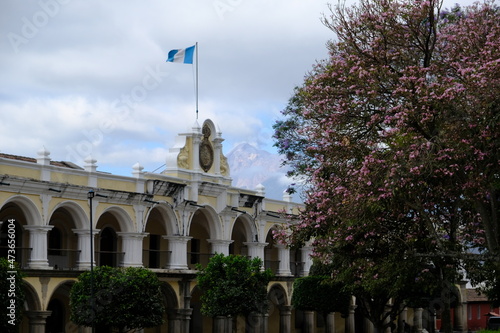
479	309
167	222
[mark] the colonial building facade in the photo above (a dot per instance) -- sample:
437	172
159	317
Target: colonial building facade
68	218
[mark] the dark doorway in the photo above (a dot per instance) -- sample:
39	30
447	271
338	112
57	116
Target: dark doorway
55	322
107	246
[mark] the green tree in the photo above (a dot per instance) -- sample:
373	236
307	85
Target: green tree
397	135
320	293
233	285
125	299
11	296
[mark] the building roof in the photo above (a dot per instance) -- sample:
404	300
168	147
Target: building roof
474	296
63	164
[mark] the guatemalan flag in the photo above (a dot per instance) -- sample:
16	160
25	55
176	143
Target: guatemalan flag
183	56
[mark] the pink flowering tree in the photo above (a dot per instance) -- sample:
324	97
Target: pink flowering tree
398	136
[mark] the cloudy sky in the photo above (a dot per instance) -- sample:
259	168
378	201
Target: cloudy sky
89	77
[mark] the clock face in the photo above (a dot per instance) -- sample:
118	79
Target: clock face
206	150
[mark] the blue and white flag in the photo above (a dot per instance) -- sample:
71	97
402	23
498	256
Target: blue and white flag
183	56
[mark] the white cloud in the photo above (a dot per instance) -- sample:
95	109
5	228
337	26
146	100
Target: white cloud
77	75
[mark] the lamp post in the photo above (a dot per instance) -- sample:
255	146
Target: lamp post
90	196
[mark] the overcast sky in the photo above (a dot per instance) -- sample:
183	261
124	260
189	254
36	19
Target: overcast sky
90	77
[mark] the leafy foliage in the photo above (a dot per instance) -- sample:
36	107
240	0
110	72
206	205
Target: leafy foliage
233	285
11	297
321	294
397	133
124	298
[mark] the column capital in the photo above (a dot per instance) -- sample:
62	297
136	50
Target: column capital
132	248
38	242
37	320
285	310
220	241
132	234
86	231
38	228
256	244
178	239
220	245
84	240
177	245
284	260
36	315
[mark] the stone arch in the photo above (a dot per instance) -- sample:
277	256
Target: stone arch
160	222
243	231
28	207
62	249
269	229
62	284
170	295
58	304
211	125
168	218
77	213
271	255
198	320
126	224
249	226
24	214
109	246
204	225
279	314
172	320
278	294
213	220
32	301
32	306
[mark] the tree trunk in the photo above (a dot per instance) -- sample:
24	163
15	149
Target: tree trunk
446	325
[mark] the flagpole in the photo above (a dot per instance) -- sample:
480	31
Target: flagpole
196	80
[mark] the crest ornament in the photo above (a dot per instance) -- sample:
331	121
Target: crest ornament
206	150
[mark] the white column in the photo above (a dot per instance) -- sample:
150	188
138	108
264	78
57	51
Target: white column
417	320
350	322
369	327
460	322
308	325
256	249
37	320
284	258
84	247
402	320
177	245
38	245
220	246
217	152
132	248
91	168
330	323
138	174
44	160
306	259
